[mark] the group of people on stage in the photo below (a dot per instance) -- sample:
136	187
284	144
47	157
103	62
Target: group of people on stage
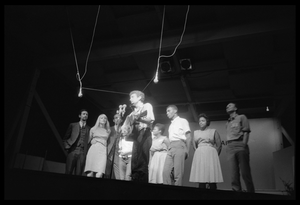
135	149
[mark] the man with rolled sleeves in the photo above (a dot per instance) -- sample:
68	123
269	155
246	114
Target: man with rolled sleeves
238	154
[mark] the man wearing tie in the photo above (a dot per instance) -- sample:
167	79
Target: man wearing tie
75	143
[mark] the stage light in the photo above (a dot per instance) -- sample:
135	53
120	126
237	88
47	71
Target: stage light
185	64
165	67
156	78
80	92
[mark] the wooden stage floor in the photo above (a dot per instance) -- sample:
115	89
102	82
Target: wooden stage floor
36	185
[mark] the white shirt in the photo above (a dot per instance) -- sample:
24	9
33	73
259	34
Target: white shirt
81	124
125	146
178	128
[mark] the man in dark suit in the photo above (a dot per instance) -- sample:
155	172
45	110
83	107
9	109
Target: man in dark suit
75	142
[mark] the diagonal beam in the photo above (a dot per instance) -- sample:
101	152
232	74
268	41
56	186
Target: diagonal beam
23	122
188	94
50	122
288	137
187	90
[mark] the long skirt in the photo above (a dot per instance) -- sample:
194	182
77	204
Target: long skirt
156	167
206	166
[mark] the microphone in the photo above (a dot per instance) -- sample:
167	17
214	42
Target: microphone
122	109
156	78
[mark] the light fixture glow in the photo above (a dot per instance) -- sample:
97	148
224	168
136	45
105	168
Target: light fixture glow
156	78
80	92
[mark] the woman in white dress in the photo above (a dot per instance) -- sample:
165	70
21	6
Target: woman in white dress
97	153
158	153
206	168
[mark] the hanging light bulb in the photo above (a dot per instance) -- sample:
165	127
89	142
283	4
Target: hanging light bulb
80	92
156	78
80	89
267	109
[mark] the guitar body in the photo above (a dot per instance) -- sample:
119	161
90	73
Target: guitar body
131	120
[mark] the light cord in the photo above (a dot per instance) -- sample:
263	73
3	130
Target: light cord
186	15
76	63
159	49
91	42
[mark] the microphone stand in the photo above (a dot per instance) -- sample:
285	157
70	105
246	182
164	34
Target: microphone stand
113	151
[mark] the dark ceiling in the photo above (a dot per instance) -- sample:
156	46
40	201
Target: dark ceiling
244	54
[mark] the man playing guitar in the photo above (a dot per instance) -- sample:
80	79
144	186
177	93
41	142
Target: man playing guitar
141	120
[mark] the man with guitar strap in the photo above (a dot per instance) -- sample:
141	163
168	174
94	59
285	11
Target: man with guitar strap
141	120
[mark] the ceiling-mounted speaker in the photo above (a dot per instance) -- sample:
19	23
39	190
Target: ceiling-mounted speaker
165	67
185	64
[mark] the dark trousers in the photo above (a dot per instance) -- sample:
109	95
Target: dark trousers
140	156
239	158
75	162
